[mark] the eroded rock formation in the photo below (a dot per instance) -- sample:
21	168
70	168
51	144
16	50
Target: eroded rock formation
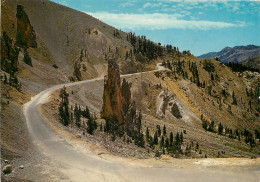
112	109
167	102
118	109
25	36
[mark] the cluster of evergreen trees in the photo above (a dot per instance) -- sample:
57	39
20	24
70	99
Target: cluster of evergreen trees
91	123
119	111
237	67
208	66
132	126
195	75
145	47
148	49
64	112
178	67
13	81
116	34
9	54
172	50
25	38
171	144
208	126
68	117
132	123
249	138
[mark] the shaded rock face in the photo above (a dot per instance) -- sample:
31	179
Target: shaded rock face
175	111
126	93
167	102
77	72
113	101
25	36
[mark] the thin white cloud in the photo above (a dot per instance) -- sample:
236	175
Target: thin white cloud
127	4
159	21
146	5
63	2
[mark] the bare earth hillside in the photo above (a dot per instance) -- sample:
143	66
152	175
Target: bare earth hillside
187	111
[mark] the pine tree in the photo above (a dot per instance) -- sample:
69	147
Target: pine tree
171	139
77	114
91	126
177	139
139	140
157	154
147	134
151	143
86	113
234	99
162	142
167	142
159	130
5	79
181	138
220	128
211	127
64	107
197	146
164	130
155	139
94	121
101	127
77	72
107	126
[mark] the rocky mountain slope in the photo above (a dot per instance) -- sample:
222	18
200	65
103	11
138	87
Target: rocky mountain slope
68	40
237	54
187	98
44	44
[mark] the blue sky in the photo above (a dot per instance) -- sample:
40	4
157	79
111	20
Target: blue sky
200	26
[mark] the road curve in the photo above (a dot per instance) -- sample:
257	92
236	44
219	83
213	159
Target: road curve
77	165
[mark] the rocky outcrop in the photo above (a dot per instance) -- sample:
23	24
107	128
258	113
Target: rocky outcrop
175	111
77	72
118	109
126	93
25	36
167	102
112	109
170	107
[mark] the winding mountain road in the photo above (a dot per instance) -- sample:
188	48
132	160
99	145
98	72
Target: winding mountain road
81	165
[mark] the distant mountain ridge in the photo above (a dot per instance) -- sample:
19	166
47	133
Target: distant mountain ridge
237	54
